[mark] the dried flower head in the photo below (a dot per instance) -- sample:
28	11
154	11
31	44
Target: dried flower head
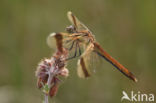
49	70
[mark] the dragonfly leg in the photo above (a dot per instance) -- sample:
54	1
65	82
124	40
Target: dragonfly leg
74	54
71	46
67	41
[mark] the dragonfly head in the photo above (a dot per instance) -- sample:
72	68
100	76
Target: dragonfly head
71	29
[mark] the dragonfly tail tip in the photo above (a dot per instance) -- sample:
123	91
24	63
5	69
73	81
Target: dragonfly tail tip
135	80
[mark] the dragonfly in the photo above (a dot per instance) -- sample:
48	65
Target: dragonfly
79	40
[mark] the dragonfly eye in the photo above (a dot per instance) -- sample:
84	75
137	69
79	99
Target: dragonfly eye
71	29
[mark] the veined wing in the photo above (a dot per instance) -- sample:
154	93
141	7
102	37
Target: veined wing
83	66
88	62
82	70
99	50
56	40
75	21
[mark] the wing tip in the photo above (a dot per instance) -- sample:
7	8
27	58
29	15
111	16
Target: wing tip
52	34
69	13
50	40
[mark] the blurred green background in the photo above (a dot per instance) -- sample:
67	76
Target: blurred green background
125	28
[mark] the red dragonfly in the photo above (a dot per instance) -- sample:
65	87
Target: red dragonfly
79	38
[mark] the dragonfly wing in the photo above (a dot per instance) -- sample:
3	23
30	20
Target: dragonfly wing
83	66
99	50
74	21
82	70
87	63
56	40
51	41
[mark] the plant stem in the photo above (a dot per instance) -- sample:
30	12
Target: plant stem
49	85
46	99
